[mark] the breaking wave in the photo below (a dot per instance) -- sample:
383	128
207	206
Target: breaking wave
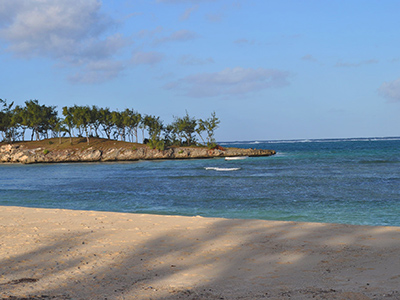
222	169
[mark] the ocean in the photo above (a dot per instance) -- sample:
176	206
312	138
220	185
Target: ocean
351	181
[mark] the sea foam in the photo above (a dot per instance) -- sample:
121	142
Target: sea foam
222	169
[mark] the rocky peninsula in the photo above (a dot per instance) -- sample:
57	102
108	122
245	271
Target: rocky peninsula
102	150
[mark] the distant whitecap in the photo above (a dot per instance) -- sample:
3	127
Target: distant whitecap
222	169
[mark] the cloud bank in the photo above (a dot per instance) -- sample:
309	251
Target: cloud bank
71	31
229	82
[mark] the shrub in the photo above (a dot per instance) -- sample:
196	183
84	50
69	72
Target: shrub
159	145
45	151
212	145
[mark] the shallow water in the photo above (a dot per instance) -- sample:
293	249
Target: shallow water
335	181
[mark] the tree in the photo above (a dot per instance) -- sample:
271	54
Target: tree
43	120
132	121
95	119
106	122
209	125
50	120
185	128
82	118
61	127
40	118
118	121
6	120
154	126
142	126
34	116
68	121
201	128
170	135
21	118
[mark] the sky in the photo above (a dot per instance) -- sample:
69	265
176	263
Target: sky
271	70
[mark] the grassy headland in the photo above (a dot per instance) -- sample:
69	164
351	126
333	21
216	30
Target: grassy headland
59	150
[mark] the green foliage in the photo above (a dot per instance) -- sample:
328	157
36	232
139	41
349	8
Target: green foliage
39	118
131	121
45	151
184	128
7	125
106	121
160	145
209	126
156	144
92	121
212	145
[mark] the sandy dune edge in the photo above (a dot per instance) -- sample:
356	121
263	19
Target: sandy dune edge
64	254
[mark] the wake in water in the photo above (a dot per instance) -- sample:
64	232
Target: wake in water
222	169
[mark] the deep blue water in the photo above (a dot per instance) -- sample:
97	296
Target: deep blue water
334	181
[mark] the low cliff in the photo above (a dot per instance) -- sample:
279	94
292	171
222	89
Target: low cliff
21	153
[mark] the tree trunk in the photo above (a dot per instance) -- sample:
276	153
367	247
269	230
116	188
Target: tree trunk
87	136
23	134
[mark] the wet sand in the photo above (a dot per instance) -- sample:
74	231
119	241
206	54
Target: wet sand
65	254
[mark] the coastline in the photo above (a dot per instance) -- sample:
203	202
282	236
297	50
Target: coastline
72	254
50	151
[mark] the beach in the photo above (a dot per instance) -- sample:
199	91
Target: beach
71	254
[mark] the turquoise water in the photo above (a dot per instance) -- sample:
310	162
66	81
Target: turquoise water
335	181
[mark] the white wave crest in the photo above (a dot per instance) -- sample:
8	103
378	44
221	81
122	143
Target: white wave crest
222	169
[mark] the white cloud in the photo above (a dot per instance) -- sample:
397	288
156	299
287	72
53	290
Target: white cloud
229	82
391	90
147	58
72	31
99	49
51	27
8	9
97	72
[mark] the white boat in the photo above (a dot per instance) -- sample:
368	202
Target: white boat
236	157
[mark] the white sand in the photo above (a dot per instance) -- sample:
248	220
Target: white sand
99	255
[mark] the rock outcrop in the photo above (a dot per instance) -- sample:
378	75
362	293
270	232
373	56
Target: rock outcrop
18	154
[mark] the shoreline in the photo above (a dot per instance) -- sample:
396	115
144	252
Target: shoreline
73	254
101	150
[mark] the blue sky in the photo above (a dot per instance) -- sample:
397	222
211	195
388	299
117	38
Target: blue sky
269	69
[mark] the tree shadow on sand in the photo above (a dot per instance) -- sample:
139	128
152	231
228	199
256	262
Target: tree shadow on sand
156	257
